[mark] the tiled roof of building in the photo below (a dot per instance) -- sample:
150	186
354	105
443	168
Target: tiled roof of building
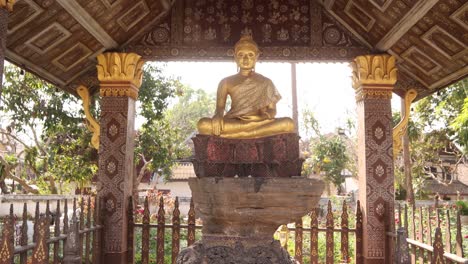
453	188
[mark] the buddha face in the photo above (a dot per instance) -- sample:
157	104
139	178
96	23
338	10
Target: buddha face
246	57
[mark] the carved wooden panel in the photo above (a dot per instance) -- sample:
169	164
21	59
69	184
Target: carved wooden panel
435	50
122	19
50	42
55	44
371	19
284	30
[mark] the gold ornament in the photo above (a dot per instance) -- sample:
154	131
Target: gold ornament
120	74
400	129
374	76
7	4
92	124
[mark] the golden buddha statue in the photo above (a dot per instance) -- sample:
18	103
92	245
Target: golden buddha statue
253	101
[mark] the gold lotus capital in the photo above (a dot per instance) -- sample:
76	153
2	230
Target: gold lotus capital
120	74
7	4
374	70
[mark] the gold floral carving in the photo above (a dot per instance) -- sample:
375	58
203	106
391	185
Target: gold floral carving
7	4
400	129
92	124
374	76
120	74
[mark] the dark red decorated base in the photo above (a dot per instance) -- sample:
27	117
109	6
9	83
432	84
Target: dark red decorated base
273	156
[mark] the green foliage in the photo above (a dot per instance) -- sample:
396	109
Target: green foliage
329	155
191	106
448	108
49	125
157	142
462	207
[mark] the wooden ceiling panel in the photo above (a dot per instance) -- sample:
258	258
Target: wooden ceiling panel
122	19
435	49
56	43
370	18
59	39
298	30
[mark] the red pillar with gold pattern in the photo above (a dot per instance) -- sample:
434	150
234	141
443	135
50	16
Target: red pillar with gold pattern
374	77
120	76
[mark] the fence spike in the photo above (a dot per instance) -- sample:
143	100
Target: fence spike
359	234
97	233
24	234
160	233
314	236
191	224
438	246
448	236
145	233
36	222
344	234
175	231
330	246
298	241
459	243
65	217
88	235
57	232
40	254
131	228
402	248
7	244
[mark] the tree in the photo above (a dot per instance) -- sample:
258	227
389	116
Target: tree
448	108
191	106
158	144
329	155
45	123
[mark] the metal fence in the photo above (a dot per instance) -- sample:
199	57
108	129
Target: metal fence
330	227
429	234
62	235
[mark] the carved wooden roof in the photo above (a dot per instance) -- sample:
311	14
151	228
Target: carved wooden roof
59	39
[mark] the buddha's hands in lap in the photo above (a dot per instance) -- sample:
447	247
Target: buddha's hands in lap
218	124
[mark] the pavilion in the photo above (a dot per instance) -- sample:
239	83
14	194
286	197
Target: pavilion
393	46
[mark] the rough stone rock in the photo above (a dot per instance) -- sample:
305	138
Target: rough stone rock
252	207
228	250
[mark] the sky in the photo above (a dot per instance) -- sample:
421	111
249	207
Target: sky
323	88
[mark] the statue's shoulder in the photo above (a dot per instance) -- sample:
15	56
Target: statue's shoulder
229	79
260	78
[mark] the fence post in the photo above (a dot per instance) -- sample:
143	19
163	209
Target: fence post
402	249
298	238
72	244
191	224
359	234
8	239
314	236
160	233
438	254
175	231
131	228
40	253
330	242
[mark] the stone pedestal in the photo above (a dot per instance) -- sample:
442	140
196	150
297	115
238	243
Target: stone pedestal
240	216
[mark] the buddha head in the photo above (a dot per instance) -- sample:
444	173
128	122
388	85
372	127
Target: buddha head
246	53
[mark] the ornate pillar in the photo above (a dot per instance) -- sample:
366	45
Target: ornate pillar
6	6
374	77
120	77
